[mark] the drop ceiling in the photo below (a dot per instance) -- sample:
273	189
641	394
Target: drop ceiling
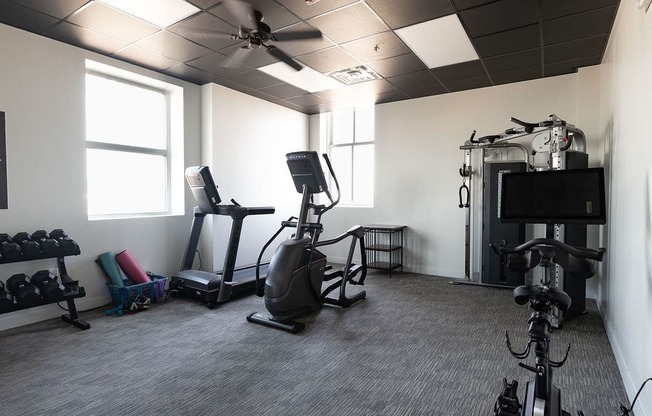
514	40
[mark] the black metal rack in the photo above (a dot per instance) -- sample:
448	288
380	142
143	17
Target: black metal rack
72	289
384	247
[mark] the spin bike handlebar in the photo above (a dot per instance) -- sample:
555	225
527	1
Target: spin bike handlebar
542	243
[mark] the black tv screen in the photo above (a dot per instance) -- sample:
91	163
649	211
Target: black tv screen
574	196
203	188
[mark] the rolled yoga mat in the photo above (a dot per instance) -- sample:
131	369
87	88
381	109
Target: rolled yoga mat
111	268
132	269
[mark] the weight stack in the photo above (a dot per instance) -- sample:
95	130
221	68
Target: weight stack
493	231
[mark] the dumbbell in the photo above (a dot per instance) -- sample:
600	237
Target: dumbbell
39	235
25	293
48	285
58	234
67	245
49	246
8	248
6	299
29	248
118	310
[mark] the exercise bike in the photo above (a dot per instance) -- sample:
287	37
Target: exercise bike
542	398
298	269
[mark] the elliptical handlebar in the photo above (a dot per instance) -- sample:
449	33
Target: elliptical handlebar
580	252
337	185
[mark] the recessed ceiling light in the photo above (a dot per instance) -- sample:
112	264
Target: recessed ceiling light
307	79
439	42
162	13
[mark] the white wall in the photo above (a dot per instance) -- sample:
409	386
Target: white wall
42	94
246	140
625	114
418	157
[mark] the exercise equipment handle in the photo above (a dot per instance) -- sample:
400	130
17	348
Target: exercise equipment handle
260	210
490	138
472	136
529	127
581	252
337	183
463	194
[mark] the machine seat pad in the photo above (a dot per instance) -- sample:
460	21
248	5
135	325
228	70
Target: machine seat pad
559	298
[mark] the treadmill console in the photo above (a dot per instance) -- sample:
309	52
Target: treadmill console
203	188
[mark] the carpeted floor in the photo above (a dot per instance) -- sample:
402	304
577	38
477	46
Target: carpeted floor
415	346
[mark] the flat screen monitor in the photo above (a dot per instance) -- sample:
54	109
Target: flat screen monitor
305	169
203	188
573	196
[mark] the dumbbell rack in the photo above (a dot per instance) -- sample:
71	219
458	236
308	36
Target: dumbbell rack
72	290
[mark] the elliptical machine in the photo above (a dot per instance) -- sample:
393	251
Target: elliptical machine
298	269
542	398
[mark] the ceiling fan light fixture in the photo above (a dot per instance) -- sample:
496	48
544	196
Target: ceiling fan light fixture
354	75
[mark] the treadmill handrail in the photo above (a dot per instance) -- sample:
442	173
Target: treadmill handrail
237	211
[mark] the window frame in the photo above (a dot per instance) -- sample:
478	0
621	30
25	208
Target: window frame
352	202
166	152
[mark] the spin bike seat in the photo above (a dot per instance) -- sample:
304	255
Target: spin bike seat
556	297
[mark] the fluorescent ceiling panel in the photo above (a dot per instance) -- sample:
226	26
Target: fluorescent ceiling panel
307	79
162	13
439	42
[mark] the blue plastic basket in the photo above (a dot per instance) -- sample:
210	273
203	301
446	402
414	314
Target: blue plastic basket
154	290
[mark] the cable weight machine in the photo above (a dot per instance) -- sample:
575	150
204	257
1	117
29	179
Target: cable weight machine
555	145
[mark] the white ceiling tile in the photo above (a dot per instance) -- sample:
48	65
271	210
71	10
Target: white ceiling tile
439	42
162	13
307	79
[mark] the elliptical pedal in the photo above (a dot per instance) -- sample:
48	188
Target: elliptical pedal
353	272
292	327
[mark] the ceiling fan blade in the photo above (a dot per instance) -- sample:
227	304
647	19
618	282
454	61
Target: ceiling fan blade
283	57
208	34
237	58
289	35
243	12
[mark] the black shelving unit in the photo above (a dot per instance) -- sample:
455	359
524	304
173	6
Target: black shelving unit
384	247
72	289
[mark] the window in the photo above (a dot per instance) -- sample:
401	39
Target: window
351	147
128	142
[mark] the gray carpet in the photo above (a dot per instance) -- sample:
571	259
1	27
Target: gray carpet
415	346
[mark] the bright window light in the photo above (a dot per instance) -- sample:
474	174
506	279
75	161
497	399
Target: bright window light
125	183
127	148
121	113
351	145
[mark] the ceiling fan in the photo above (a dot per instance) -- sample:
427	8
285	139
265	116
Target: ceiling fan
258	35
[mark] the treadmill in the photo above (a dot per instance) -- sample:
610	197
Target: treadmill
215	287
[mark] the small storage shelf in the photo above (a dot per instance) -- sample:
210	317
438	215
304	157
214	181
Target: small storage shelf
72	289
384	247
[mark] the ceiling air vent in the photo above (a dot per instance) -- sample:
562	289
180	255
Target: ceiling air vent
354	75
